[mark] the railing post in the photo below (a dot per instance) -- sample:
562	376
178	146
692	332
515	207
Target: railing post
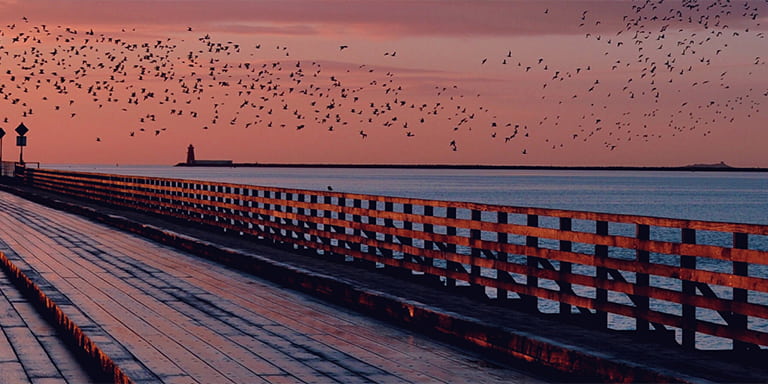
214	199
451	247
357	246
740	295
327	214
248	215
642	280
502	238
388	238
601	295
279	221
269	228
407	225
237	200
313	213
475	236
429	211
260	197
372	206
342	215
566	224
689	289
301	199
289	209
531	302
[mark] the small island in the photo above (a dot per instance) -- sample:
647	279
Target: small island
720	165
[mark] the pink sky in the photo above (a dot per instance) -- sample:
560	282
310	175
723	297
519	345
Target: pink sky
594	88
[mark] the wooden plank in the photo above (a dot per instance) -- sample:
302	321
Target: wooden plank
13	372
36	362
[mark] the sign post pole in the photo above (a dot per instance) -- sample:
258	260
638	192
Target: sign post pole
2	133
21	141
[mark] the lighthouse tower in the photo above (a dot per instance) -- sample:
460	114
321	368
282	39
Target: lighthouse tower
190	155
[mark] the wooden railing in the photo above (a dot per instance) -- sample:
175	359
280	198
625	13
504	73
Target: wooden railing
7	168
649	274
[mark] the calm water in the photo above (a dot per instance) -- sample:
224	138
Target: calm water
715	196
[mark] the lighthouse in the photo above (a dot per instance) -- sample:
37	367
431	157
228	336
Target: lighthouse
190	155
192	162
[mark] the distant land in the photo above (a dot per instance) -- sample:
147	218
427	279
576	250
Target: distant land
715	167
192	161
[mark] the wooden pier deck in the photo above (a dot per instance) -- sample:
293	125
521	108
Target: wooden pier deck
151	298
30	348
166	316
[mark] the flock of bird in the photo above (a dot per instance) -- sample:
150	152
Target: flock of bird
153	82
662	50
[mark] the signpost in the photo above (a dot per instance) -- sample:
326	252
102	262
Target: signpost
2	133
21	141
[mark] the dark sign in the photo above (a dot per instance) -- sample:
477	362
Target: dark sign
21	141
2	133
22	129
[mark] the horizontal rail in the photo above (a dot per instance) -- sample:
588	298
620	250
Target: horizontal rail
647	268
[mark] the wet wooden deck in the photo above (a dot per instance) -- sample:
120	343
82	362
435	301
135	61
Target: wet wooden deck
30	348
166	316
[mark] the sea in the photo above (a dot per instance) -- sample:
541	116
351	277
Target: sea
736	197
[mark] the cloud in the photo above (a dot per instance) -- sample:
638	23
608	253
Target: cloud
385	18
265	29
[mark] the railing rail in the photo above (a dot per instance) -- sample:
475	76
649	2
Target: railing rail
697	277
7	168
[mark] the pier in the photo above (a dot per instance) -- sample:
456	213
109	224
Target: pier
161	315
537	290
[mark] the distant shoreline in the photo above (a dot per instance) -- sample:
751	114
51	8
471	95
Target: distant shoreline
690	168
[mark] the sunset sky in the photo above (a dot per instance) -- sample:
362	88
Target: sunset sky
513	82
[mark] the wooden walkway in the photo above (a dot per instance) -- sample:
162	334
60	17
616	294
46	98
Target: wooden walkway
30	348
166	316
